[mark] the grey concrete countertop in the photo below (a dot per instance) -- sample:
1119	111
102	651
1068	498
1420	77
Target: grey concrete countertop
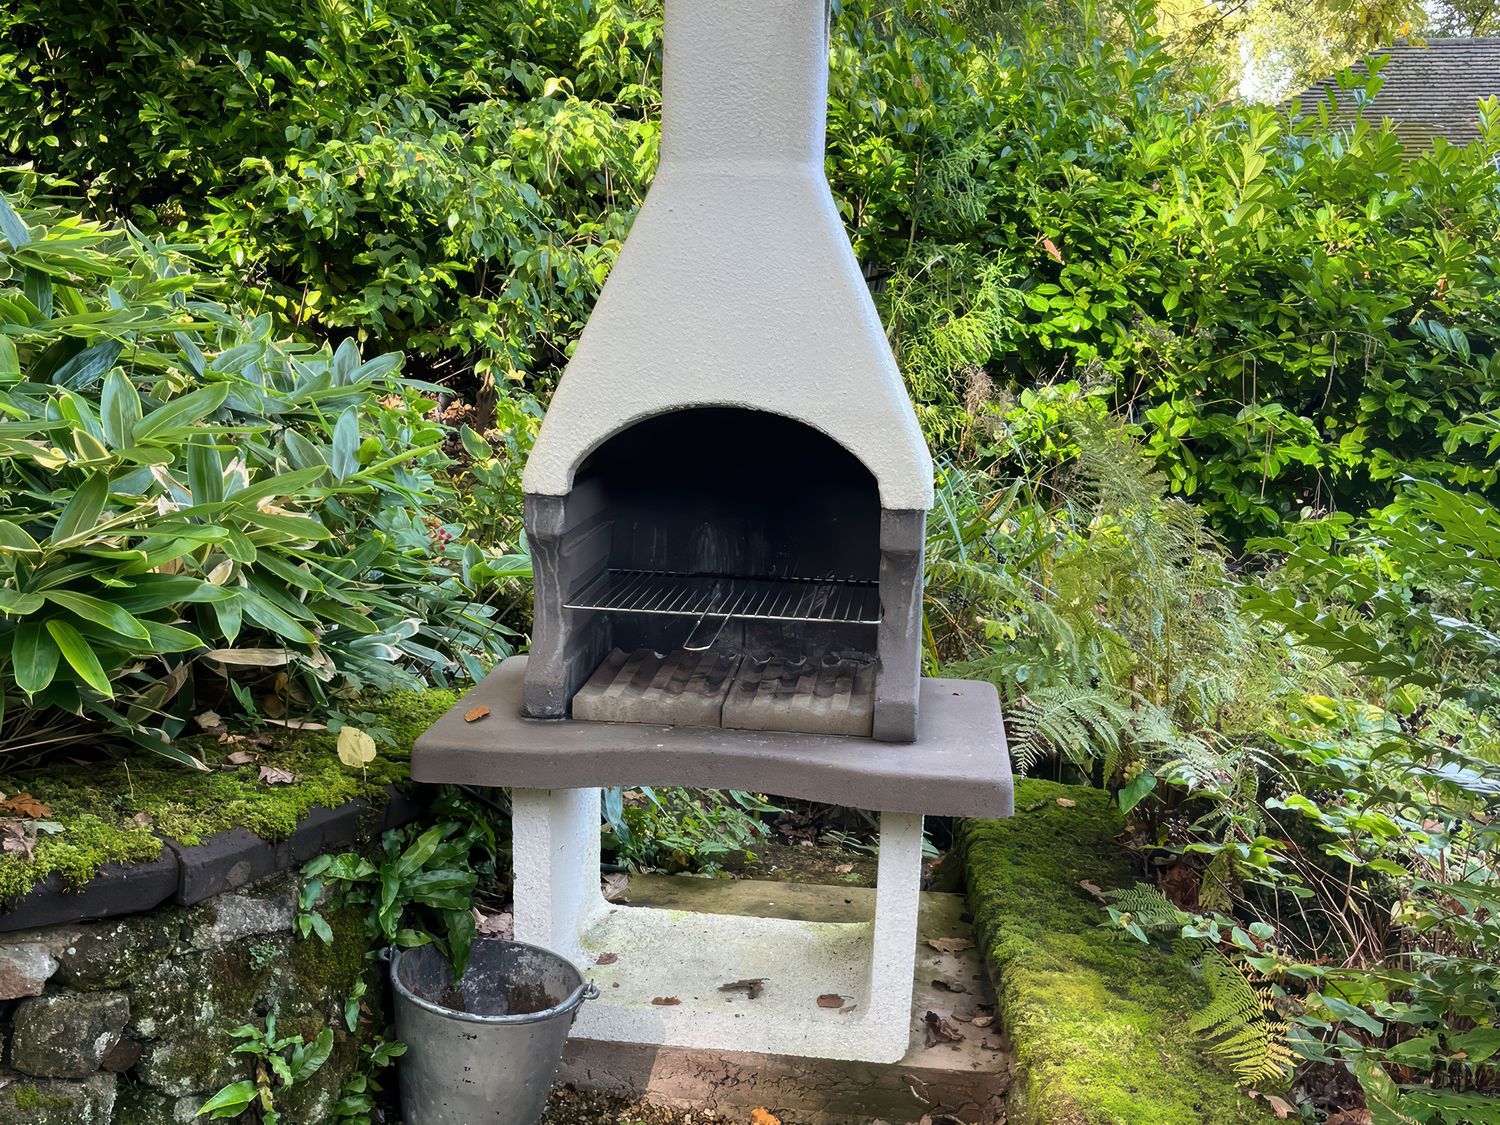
958	766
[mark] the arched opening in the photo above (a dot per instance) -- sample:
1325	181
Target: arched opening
720	566
718	491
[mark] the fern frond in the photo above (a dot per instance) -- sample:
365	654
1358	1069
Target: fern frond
1148	908
1079	723
1240	1025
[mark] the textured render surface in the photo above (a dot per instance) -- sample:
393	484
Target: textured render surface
662	984
737	285
958	765
1098	1021
965	1080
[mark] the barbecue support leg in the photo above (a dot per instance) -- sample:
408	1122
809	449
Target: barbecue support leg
555	847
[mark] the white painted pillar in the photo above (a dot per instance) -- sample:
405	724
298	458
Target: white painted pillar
555	846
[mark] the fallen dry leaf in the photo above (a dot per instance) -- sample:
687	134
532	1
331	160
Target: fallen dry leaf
209	720
982	1021
1350	1117
142	820
1066	802
16	837
950	944
940	1030
615	884
752	987
830	1000
949	986
243	758
1279	1107
474	714
1092	889
763	1117
356	749
275	775
24	804
1052	250
502	926
666	1001
843	869
606	958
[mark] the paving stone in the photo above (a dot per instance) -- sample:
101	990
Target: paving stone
24	970
69	1034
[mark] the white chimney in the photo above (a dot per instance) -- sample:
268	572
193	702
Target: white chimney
737	286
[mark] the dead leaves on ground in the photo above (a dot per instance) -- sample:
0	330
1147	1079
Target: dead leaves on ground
275	775
474	714
830	1000
940	1030
666	1001
751	987
501	925
950	944
606	959
614	885
17	837
1284	1109
761	1116
26	806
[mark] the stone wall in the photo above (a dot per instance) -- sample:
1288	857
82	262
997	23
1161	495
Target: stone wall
128	1020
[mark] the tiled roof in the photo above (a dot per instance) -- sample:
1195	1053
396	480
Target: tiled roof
1429	91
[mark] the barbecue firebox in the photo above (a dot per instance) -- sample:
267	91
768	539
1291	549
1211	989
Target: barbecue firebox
723	566
726	507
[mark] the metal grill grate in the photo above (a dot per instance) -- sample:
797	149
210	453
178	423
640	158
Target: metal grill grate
842	600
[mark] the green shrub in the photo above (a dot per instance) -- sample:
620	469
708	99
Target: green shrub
446	177
1297	314
190	506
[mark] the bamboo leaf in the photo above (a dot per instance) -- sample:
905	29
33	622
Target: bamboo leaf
76	651
33	657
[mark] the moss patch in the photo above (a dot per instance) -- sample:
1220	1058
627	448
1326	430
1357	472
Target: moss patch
1098	1020
96	805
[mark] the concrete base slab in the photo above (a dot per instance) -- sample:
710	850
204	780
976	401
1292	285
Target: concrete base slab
965	1080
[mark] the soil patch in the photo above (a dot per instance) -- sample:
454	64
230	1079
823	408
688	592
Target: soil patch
807	863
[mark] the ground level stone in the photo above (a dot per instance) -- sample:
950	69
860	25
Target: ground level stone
67	1034
31	1101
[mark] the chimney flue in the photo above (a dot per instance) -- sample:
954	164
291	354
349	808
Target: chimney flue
745	80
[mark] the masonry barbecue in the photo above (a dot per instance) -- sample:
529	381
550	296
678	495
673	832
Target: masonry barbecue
726	508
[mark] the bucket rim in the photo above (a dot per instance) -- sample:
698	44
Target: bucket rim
586	989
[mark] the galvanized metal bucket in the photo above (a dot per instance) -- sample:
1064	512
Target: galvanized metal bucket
487	1048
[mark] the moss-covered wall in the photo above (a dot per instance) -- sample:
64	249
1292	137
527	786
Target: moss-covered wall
1098	1020
102	813
128	1022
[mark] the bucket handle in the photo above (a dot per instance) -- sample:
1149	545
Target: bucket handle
589	989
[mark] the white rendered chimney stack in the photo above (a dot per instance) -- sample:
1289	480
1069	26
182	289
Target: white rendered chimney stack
745	83
737	285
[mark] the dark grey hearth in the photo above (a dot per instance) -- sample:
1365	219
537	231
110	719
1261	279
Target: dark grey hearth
958	765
